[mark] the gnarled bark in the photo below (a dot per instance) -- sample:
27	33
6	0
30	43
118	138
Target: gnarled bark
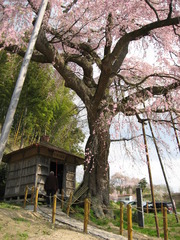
96	167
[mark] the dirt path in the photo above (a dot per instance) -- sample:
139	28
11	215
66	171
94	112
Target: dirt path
19	224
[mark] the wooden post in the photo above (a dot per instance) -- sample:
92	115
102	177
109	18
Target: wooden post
62	199
162	167
25	196
86	214
121	218
36	200
129	218
162	208
147	209
165	224
150	180
54	209
69	204
32	194
89	207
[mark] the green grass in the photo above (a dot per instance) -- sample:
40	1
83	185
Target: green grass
19	219
8	205
149	222
22	236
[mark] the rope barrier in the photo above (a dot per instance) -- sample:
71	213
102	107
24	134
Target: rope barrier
131	210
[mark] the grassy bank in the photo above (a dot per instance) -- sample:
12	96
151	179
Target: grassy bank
112	224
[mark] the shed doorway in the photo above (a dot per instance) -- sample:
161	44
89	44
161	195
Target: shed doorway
58	170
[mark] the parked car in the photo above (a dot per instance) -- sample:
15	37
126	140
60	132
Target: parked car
133	203
168	205
124	202
149	205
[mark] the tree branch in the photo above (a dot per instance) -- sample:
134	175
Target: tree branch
154	10
136	34
14	49
129	139
68	8
108	35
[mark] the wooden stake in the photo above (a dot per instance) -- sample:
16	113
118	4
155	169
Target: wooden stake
165	223
36	200
121	218
161	207
147	209
32	194
62	198
54	209
150	179
25	196
86	214
69	204
129	217
164	174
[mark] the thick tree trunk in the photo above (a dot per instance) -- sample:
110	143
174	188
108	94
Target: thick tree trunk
96	175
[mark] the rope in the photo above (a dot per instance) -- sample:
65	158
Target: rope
135	210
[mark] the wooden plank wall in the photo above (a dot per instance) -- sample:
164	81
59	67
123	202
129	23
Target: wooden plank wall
70	179
20	174
43	169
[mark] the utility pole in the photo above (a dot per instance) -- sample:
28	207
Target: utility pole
20	81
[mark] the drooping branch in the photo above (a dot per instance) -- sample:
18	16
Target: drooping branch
170	9
143	93
129	139
141	32
159	75
154	10
120	51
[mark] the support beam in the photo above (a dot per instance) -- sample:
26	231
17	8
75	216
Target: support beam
150	179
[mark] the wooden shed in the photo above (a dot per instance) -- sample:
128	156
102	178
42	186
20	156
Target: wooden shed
31	166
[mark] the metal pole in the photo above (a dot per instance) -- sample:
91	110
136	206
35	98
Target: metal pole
150	179
20	81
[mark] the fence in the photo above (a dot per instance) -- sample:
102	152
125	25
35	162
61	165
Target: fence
68	206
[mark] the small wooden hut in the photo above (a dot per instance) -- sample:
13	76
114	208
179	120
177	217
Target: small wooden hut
31	166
